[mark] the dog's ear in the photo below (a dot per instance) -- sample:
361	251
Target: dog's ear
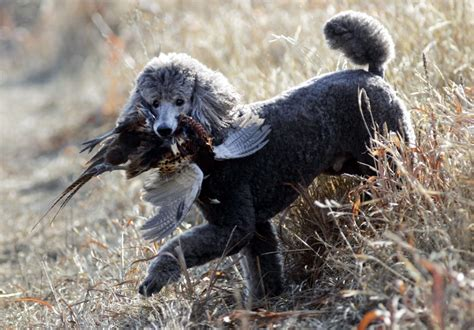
212	100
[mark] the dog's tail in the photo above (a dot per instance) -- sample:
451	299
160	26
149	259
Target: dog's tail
362	38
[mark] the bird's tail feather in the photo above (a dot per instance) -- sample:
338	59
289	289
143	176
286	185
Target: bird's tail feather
64	198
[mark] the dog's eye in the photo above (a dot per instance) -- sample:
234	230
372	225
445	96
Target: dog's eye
179	102
155	104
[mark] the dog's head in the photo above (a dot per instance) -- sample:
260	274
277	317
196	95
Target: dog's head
175	84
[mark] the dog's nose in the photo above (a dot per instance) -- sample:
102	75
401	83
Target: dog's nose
164	131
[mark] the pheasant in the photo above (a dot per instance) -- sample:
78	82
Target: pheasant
176	177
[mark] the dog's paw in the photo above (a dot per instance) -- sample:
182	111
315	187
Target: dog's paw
149	287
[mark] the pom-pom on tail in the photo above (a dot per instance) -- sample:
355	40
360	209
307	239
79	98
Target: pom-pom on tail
362	38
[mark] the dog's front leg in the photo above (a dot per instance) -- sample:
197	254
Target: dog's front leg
232	227
262	263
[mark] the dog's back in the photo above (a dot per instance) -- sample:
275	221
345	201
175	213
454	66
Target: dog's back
323	125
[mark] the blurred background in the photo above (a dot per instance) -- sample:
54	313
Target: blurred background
66	68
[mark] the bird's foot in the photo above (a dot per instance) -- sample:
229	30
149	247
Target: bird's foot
91	144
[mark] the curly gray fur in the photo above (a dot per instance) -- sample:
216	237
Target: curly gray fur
212	96
317	127
361	38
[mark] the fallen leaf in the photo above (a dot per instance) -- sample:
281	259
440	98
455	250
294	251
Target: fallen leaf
35	300
370	317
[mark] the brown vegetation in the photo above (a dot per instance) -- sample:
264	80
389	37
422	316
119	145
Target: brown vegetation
394	249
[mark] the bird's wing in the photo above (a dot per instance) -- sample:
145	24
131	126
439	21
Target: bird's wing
174	195
248	136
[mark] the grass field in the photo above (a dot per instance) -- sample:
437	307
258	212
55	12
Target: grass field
402	259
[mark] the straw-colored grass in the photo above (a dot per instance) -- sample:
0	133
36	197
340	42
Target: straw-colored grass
395	249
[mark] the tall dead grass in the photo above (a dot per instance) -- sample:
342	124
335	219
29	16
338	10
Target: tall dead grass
393	249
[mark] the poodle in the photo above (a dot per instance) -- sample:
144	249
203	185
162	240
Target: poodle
320	126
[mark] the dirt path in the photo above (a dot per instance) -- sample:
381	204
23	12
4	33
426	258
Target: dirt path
38	148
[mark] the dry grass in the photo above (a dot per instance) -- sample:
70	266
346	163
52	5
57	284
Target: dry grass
396	249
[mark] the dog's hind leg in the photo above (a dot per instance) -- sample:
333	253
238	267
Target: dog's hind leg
262	264
232	227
